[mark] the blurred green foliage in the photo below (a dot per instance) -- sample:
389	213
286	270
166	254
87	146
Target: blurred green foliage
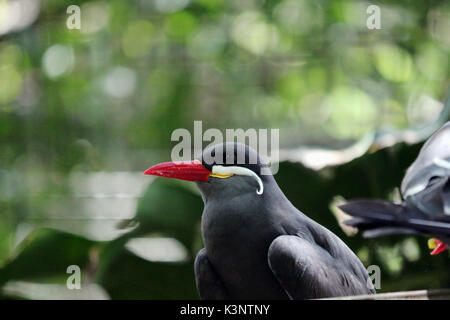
106	98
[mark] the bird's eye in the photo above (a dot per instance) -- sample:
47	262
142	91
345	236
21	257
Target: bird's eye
433	180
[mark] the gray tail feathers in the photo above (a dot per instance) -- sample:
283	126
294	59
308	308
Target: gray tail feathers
379	218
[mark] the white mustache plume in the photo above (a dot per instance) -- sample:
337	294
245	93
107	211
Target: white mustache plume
239	171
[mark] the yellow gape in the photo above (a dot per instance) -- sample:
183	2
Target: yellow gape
220	175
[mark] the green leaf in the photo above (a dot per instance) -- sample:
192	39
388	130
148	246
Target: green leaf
46	254
126	276
170	208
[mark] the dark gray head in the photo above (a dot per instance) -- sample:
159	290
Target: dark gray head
235	169
224	169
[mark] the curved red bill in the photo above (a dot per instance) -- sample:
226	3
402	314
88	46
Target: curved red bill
184	170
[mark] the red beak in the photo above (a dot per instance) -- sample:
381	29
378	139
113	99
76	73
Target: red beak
184	170
439	248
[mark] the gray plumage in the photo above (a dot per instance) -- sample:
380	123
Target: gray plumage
262	247
426	190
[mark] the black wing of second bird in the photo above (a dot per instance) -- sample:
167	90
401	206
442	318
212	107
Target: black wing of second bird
426	189
422	213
